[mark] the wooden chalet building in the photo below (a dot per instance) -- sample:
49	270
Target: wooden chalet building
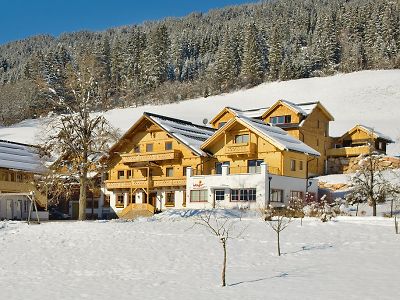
19	164
252	157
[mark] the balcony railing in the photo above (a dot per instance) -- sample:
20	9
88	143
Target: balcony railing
347	151
169	182
242	148
144	183
145	157
127	184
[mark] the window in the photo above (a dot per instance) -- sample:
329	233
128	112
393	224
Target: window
318	124
133	198
121	174
19	177
219	195
170	199
184	171
301	165
169	172
168	145
241	138
254	166
149	147
198	196
120	200
296	195
220	124
292	165
380	146
106	201
281	119
136	149
129	174
243	195
218	166
276	195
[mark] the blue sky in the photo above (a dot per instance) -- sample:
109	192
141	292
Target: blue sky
22	18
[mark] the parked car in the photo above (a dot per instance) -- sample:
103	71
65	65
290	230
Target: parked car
55	214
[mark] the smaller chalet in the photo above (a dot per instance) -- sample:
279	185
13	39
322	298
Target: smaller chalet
19	163
357	141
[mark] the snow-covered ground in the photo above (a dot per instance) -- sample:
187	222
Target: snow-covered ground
164	258
369	97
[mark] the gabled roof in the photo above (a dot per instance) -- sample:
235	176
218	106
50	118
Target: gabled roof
371	131
189	134
273	134
304	109
21	157
251	113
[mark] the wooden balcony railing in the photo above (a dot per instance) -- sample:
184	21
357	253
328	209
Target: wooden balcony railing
146	157
243	148
347	151
144	183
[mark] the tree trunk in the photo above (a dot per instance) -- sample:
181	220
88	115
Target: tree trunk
224	265
396	225
391	208
374	208
279	243
357	209
82	197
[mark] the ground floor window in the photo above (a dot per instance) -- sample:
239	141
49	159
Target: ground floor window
120	200
198	196
296	195
106	201
219	195
170	199
243	195
276	195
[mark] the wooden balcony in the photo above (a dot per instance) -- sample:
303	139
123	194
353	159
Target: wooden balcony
238	149
144	183
147	157
169	182
127	184
347	151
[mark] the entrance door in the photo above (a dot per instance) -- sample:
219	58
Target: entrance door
152	199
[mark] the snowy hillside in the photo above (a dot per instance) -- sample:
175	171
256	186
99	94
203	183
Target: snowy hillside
368	97
164	258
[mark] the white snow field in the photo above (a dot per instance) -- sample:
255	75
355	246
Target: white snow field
164	258
370	98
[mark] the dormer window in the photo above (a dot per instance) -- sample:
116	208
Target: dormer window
281	119
241	138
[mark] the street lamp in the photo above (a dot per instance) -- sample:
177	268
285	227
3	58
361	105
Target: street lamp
269	190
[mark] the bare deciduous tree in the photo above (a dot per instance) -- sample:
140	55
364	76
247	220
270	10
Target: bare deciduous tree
79	137
278	220
370	183
223	228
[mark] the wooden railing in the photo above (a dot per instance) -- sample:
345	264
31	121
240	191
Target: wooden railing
127	183
169	182
347	151
242	148
145	157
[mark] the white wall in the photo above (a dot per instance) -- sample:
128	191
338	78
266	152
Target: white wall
260	182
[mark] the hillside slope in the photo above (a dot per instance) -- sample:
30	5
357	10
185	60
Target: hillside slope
368	97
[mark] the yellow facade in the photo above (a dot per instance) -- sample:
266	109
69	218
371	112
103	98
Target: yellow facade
147	159
225	149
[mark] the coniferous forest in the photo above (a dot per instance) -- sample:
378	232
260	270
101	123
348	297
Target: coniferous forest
202	54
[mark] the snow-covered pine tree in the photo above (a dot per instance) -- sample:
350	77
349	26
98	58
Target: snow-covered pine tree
252	65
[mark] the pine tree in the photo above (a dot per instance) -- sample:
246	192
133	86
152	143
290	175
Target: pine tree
252	66
275	56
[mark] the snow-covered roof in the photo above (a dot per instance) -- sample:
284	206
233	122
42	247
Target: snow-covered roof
376	134
189	134
250	113
278	136
20	157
